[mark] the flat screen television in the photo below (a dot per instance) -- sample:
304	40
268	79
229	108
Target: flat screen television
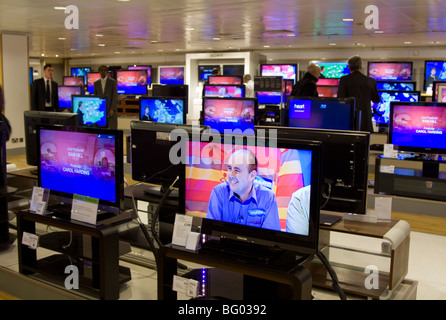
226	80
327	91
390	70
84	161
163	109
224	91
233	69
65	93
171	75
204	71
396	85
287	88
269	97
92	77
92	110
80	72
327	82
33	119
73	81
333	70
321	113
220	173
382	109
132	82
439	91
286	71
418	126
344	166
434	70
239	114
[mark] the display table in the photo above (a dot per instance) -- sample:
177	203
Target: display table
94	249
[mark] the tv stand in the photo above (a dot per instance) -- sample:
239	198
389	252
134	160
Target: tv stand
159	191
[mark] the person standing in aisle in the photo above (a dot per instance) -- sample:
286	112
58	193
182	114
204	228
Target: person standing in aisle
215	72
44	95
363	89
108	87
306	87
249	86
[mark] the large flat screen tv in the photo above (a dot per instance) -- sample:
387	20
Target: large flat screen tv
418	126
225	80
286	71
65	93
269	97
333	70
140	67
264	195
132	82
390	70
92	77
85	161
163	109
224	91
382	109
434	70
396	85
171	75
233	69
92	110
321	113
80	72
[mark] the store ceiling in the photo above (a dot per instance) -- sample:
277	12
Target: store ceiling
113	27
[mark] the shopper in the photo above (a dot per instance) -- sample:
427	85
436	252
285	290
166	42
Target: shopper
44	95
306	87
249	86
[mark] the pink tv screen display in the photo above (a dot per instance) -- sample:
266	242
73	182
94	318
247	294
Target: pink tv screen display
286	71
172	75
401	71
92	77
73	81
132	82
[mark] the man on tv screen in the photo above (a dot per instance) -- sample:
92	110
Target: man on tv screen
240	200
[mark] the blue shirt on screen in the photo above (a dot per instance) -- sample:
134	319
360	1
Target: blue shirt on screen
259	210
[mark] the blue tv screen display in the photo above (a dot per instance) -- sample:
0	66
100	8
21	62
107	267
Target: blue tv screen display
91	110
269	97
382	108
162	110
434	71
395	86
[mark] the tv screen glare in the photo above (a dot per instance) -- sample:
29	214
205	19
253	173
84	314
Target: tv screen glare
224	91
92	110
171	75
286	71
269	97
213	79
322	113
73	81
230	113
163	109
388	70
438	91
382	109
434	71
418	126
396	85
281	175
83	161
80	72
333	70
92	77
132	82
205	71
233	69
65	93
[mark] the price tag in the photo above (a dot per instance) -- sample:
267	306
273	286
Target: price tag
39	195
84	209
31	240
181	229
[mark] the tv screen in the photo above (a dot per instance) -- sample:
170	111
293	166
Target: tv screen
224	91
327	82
390	70
344	166
92	110
80	72
92	77
233	69
327	91
439	91
73	81
321	113
418	126
170	90
132	82
83	161
225	80
269	97
33	119
230	114
163	109
205	71
261	195
286	71
396	85
65	93
434	71
382	109
171	75
333	70
147	68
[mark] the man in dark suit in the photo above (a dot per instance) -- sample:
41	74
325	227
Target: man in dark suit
44	95
108	87
361	87
307	87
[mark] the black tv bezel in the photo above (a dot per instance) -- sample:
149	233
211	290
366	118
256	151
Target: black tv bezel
425	71
390	61
184	99
58	88
434	89
270	238
107	109
296	68
414	83
134	94
242	86
66	85
354	125
427	150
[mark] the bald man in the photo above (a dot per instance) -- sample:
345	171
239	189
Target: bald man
306	87
240	200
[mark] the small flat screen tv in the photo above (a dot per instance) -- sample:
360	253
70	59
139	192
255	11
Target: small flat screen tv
147	68
33	119
73	81
233	69
226	80
171	75
65	93
396	85
327	82
204	71
224	91
287	88
333	70
163	109
382	109
327	91
434	70
84	161
132	82
80	72
418	126
269	97
439	91
92	110
321	113
286	71
234	114
283	204
390	70
92	77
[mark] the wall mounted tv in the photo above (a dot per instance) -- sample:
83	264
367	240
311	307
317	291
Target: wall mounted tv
132	82
92	110
65	93
418	126
163	109
224	91
286	71
140	67
92	77
434	70
390	70
321	113
382	109
171	75
396	85
204	71
233	69
214	79
80	72
333	70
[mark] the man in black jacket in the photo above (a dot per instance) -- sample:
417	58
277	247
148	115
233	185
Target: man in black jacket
361	87
306	87
44	95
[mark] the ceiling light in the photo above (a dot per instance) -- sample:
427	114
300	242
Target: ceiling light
266	46
101	45
59	8
246	25
62	38
332	44
407	42
43	54
99	35
117	52
189	28
57	55
216	39
153	41
379	31
347	19
290	34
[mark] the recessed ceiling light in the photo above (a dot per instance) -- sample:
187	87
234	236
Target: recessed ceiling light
160	50
189	28
379	31
57	55
59	8
347	19
153	41
216	39
62	38
99	35
101	45
407	42
332	44
290	34
246	25
117	52
266	46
